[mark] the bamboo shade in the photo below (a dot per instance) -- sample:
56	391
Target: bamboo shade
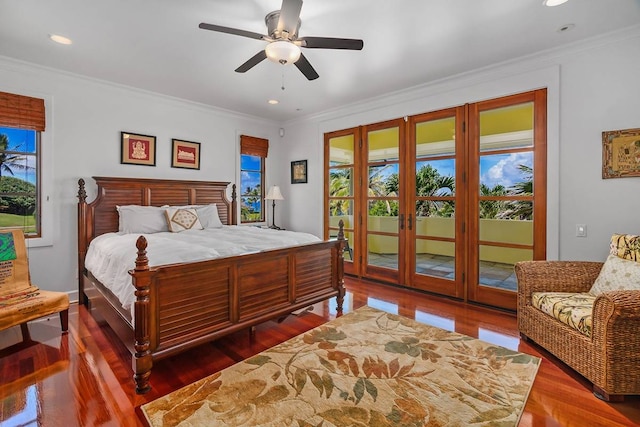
24	112
254	146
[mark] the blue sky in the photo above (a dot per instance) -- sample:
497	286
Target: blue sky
24	141
249	179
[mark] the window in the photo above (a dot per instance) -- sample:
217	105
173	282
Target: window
21	122
253	153
19	164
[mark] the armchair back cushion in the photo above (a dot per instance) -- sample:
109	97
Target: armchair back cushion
625	246
617	274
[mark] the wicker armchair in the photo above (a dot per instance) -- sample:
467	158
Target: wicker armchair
610	357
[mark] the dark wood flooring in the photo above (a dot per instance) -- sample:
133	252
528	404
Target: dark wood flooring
84	378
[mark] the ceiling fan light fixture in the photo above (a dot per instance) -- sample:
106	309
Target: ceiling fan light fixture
552	3
282	52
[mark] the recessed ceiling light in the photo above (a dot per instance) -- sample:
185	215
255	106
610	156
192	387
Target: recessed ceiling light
565	28
60	39
552	3
273	101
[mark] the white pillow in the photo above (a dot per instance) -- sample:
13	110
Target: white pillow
141	219
181	219
209	217
617	274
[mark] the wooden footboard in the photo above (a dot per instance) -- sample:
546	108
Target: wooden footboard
183	305
180	306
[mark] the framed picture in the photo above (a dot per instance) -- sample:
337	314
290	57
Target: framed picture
186	154
621	153
299	172
137	149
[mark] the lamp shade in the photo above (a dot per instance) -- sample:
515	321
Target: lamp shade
274	193
282	52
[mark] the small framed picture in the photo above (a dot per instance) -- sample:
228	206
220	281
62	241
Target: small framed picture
299	172
621	153
137	149
186	154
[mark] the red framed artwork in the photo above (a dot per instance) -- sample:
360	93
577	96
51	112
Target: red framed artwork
137	149
186	154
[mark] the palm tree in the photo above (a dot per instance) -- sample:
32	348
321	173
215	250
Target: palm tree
521	209
429	183
250	197
491	209
8	161
381	186
339	186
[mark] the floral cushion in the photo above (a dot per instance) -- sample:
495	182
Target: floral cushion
625	246
569	308
617	274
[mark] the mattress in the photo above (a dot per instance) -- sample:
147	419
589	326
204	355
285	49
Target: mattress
112	255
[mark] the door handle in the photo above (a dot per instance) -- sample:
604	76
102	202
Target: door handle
401	221
409	222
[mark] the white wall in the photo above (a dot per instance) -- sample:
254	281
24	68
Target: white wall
592	87
85	118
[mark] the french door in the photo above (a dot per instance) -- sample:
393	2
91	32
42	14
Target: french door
446	201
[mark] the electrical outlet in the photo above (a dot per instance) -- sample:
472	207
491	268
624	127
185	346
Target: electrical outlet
581	230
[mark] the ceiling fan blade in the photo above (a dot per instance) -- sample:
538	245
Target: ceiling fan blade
234	31
252	62
289	16
331	43
305	67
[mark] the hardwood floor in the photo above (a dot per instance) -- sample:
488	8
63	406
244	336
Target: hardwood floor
84	378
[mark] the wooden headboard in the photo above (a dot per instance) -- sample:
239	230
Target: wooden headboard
101	216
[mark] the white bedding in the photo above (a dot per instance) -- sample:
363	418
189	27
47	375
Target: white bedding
112	255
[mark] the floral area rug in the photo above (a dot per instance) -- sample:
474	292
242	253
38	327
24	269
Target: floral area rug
367	368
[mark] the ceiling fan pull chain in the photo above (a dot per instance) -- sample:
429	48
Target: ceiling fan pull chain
282	87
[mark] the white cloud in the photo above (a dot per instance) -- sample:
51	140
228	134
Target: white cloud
506	170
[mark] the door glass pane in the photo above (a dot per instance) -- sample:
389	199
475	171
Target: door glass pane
511	231
436	177
341	209
506	174
383	144
435	224
383	251
496	266
436	138
507	127
383	180
340	182
435	258
341	150
383	216
348	235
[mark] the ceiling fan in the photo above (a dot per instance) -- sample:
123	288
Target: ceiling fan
284	43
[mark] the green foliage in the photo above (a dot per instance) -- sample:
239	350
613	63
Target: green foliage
429	183
248	211
17	196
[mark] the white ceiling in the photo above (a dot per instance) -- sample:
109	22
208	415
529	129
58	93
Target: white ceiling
156	45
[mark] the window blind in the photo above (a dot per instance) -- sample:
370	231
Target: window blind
24	112
253	146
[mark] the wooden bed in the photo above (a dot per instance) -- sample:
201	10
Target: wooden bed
180	306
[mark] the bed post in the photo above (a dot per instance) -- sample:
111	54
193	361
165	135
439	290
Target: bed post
82	238
234	206
341	289
142	360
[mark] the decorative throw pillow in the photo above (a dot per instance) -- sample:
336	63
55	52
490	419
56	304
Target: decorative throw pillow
209	217
141	219
625	246
617	274
180	219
